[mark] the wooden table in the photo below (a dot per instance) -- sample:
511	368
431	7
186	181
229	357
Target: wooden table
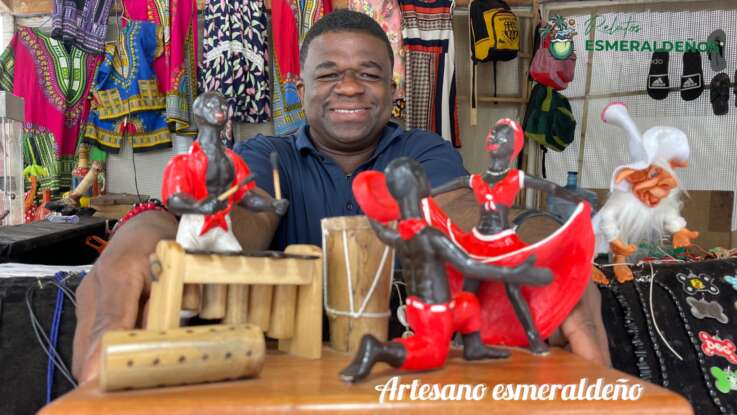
293	385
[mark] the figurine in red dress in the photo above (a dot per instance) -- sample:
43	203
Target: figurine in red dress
433	313
568	252
196	184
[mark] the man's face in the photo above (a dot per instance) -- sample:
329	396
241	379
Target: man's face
346	90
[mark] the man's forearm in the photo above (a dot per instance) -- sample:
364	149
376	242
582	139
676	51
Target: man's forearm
254	230
146	226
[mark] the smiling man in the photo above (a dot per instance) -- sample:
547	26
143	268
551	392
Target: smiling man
346	90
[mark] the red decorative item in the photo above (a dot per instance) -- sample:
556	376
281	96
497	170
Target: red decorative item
370	190
567	253
410	227
503	192
186	174
433	326
434	313
519	141
138	208
714	346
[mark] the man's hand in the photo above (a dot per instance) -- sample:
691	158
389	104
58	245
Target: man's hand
280	206
583	332
113	294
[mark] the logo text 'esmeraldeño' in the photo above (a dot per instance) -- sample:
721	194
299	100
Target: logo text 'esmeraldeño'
627	27
688	45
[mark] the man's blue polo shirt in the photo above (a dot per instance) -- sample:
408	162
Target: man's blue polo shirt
317	187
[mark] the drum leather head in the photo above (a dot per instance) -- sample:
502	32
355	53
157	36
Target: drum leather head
371	193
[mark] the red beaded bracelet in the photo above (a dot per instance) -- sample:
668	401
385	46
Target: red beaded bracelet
138	208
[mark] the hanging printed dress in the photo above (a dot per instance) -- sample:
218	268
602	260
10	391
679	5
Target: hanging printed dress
176	68
235	58
427	31
54	83
126	99
389	17
290	20
81	23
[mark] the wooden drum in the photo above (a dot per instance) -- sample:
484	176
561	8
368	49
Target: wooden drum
357	274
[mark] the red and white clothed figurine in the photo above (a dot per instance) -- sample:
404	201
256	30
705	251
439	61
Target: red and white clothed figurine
203	185
433	313
512	315
645	198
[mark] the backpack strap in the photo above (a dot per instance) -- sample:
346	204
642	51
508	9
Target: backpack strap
494	78
473	113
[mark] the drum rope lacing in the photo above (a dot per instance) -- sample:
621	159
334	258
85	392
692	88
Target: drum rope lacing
362	310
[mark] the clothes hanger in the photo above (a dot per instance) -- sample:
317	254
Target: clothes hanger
120	20
44	26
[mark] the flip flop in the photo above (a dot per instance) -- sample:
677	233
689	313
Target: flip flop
718	63
692	81
657	78
720	94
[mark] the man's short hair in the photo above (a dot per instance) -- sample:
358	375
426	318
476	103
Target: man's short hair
343	20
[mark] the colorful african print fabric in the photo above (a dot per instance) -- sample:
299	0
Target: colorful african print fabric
427	30
290	20
235	58
176	68
126	99
54	83
389	17
81	23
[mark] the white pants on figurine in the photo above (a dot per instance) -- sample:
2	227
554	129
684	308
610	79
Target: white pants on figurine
215	240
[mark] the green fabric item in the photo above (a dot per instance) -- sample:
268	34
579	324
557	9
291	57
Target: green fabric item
97	155
549	120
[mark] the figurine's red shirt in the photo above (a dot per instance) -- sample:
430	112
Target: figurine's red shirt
502	192
186	173
408	228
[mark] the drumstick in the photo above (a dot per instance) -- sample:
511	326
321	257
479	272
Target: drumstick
275	169
226	194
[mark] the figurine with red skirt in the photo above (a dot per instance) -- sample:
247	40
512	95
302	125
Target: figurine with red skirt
568	252
433	314
510	315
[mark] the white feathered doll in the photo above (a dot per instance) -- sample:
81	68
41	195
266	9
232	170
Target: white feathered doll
644	201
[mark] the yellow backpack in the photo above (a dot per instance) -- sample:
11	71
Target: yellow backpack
494	31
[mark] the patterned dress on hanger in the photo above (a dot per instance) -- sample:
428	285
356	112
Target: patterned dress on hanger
235	57
82	23
389	17
126	99
427	31
54	83
176	68
290	21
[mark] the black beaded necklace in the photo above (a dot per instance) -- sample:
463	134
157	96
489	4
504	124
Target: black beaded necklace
664	381
633	330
